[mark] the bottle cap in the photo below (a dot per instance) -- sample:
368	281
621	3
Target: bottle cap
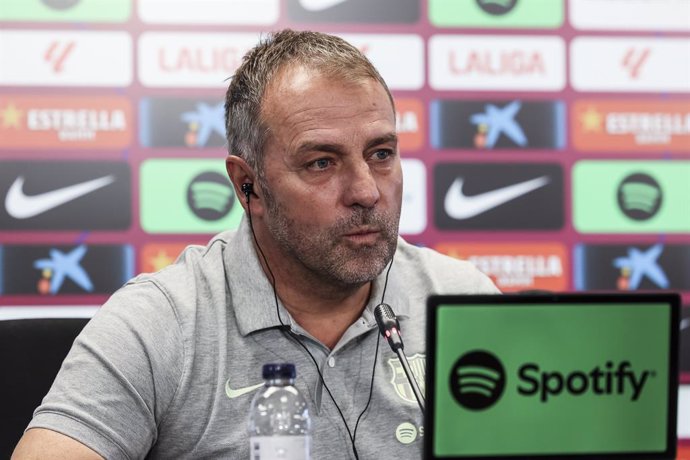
279	370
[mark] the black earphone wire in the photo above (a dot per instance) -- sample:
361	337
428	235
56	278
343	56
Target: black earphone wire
287	330
376	354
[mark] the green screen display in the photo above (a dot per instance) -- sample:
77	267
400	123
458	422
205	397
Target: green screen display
545	379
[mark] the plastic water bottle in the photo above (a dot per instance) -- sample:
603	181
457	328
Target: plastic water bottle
279	424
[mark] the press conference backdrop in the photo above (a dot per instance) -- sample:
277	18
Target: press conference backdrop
547	141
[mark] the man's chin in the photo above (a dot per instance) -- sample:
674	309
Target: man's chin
361	270
351	281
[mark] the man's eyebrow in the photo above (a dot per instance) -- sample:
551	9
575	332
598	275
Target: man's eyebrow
385	139
336	148
308	146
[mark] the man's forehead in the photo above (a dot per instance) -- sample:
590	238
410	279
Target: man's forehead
293	76
301	78
302	99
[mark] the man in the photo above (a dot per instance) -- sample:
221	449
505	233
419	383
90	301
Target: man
168	366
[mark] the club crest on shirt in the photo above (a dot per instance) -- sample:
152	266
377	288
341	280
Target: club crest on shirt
399	380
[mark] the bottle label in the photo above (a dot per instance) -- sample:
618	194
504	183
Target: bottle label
279	447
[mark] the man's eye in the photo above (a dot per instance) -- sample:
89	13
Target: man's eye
321	163
382	154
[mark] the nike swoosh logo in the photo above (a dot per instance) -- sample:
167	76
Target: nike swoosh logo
232	393
319	5
460	206
21	206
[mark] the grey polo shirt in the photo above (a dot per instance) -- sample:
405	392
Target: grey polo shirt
170	363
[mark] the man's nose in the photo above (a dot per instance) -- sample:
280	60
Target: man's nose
360	187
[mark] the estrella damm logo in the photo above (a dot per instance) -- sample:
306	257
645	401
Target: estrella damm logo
477	380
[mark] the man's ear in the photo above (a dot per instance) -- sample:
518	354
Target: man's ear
240	173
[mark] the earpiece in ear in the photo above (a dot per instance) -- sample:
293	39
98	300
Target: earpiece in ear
247	189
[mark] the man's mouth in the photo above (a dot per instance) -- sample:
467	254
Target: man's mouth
363	235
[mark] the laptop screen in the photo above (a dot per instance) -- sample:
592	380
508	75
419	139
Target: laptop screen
519	376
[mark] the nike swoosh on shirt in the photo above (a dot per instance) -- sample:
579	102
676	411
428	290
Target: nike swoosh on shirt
319	5
460	206
22	206
232	393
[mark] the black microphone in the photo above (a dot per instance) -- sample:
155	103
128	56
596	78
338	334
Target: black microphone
389	326
390	329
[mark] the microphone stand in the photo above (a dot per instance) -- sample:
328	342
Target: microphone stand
413	382
390	329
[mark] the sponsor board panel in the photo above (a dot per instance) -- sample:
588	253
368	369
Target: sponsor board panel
533	14
66	10
228	12
188	60
631	196
410	123
498	196
65	195
656	15
64	269
181	122
354	11
75	122
631	125
383	50
683	452
201	199
497	63
630	64
516	266
413	212
502	124
156	256
632	267
65	58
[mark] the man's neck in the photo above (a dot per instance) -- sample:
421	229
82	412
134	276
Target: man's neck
324	309
325	319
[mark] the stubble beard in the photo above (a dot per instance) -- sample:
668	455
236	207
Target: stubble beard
324	252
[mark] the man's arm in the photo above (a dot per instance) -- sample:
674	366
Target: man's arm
116	382
39	443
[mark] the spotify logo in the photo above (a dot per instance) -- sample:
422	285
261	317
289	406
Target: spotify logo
477	380
639	196
406	433
210	196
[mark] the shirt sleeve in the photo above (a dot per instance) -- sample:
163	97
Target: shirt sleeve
119	378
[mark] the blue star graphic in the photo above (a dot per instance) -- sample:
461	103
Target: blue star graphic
209	118
66	265
501	121
643	263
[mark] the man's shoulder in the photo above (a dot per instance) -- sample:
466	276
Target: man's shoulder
429	258
196	270
444	273
193	259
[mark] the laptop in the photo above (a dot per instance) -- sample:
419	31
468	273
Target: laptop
552	376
